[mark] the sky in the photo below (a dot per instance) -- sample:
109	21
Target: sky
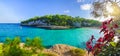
15	11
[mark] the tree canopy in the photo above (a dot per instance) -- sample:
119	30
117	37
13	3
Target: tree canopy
63	20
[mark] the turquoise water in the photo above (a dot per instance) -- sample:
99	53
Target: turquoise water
74	37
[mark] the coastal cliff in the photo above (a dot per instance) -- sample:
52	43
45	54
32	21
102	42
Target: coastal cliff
59	22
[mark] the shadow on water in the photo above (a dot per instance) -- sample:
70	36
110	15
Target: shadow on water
48	46
45	28
2	39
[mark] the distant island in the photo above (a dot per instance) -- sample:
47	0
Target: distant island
59	22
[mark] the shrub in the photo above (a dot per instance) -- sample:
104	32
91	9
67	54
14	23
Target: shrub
77	52
28	42
112	50
36	43
47	54
13	48
26	52
1	49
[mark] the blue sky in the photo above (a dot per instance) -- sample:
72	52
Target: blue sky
14	11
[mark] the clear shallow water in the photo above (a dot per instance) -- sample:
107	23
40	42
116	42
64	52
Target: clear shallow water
73	37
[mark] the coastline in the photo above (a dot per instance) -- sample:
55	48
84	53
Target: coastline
92	27
58	50
47	27
56	27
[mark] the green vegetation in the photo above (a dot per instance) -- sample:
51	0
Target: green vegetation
31	47
77	52
47	54
36	43
112	50
14	47
62	20
118	31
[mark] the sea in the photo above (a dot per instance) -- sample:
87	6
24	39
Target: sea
76	37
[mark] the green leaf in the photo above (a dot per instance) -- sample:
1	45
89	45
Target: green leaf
113	44
0	48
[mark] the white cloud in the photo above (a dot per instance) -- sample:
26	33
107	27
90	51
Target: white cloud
85	6
66	11
80	1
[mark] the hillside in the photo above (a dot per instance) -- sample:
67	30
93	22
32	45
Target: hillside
60	21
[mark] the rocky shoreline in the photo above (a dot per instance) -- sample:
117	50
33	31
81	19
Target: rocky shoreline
60	50
52	27
63	50
47	27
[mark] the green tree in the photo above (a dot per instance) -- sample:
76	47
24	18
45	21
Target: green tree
62	20
37	43
28	42
11	47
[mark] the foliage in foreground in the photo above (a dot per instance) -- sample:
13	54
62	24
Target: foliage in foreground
14	48
77	52
47	54
31	47
105	46
112	50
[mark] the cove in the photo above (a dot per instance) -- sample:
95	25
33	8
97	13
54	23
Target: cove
74	37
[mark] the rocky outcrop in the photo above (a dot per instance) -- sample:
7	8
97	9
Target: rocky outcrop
62	50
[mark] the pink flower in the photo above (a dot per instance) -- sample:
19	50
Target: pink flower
106	31
88	45
109	33
115	26
110	21
100	39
